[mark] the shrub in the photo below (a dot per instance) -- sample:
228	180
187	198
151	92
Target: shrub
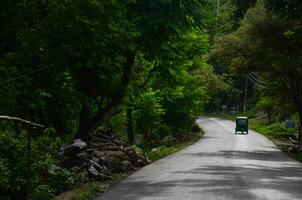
13	165
168	140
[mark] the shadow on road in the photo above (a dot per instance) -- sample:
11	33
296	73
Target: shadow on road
285	179
250	155
225	178
229	182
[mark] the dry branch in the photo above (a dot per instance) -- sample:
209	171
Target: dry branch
21	120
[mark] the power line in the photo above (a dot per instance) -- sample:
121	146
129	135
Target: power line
32	72
269	85
256	83
252	74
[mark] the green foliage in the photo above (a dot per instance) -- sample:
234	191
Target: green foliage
13	162
168	140
274	131
241	7
161	152
262	43
291	9
77	65
266	104
149	113
43	192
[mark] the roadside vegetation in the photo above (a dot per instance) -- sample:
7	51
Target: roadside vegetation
171	146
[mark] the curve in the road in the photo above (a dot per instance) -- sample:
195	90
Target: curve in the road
220	166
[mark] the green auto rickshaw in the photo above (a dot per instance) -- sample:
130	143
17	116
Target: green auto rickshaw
242	125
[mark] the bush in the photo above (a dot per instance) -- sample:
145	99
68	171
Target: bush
44	192
13	165
63	180
275	130
167	141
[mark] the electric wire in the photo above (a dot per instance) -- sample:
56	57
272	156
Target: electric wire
256	83
32	72
252	74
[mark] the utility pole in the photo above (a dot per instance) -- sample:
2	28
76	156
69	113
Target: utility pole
30	126
245	94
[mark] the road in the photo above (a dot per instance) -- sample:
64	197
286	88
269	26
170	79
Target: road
220	166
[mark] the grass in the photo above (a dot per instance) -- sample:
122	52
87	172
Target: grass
163	151
91	190
83	192
296	156
272	131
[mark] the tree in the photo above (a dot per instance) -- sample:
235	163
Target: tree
153	31
262	43
73	65
241	6
96	42
266	104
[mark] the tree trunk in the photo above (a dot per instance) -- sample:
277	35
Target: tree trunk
298	105
84	123
269	116
147	135
130	131
300	124
88	124
29	164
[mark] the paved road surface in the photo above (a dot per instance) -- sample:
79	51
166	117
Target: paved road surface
220	166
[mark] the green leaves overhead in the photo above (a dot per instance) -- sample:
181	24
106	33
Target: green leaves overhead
268	40
75	65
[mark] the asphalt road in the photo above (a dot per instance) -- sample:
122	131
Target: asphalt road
221	165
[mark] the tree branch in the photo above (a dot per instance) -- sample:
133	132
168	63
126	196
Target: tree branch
119	95
21	120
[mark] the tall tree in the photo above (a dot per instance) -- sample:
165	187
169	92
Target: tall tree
262	43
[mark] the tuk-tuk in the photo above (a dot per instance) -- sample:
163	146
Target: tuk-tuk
242	125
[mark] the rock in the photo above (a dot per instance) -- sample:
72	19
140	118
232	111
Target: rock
96	159
154	150
73	148
79	144
103	155
196	129
53	168
96	165
127	165
82	155
99	154
93	171
62	149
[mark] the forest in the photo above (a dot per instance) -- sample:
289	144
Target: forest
122	78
